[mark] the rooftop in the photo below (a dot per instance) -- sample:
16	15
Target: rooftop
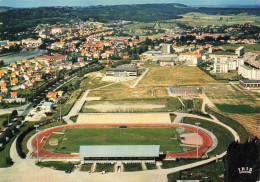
47	104
124	68
119	151
250	81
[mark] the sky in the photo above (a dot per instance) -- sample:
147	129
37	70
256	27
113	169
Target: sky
37	3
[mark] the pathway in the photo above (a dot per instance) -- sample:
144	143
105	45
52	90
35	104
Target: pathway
140	78
76	108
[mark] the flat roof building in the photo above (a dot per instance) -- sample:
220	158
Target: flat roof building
250	84
119	152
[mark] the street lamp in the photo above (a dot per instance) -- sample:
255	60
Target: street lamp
37	126
197	123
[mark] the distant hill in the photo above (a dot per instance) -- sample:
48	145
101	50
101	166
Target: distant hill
4	8
19	19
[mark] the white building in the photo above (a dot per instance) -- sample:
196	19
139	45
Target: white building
166	48
58	45
32	41
249	72
224	64
47	106
240	51
192	59
56	30
121	73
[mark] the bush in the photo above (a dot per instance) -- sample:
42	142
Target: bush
61	166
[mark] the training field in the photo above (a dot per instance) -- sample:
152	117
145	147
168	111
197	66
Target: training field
69	140
124	118
132	105
176	75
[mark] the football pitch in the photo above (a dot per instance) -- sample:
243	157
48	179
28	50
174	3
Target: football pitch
69	140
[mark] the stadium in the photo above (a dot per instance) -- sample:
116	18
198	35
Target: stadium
148	142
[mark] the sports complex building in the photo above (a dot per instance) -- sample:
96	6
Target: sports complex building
146	153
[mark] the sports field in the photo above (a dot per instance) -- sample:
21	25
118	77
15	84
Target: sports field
177	75
133	105
69	140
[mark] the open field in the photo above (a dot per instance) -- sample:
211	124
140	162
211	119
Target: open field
196	19
133	105
177	75
93	80
248	47
229	100
133	93
71	139
139	26
251	122
241	131
124	118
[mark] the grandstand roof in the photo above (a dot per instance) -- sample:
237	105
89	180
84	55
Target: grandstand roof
119	151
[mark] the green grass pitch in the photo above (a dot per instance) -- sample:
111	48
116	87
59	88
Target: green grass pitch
70	141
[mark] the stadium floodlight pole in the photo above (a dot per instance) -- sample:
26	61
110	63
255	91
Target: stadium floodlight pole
36	126
197	123
60	111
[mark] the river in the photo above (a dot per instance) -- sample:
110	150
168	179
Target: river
22	55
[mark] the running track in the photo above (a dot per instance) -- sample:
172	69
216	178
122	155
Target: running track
46	154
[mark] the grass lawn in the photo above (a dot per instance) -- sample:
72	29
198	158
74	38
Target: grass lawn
226	76
74	118
133	105
133	167
208	172
223	135
177	75
165	137
237	109
61	166
105	167
86	167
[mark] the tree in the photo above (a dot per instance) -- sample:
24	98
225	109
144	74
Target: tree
8	133
14	113
2	63
243	157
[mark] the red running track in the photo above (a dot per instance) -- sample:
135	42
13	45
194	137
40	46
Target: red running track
46	154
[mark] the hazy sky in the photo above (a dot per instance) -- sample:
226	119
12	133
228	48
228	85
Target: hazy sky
37	3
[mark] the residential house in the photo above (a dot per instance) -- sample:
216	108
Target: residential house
13	95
